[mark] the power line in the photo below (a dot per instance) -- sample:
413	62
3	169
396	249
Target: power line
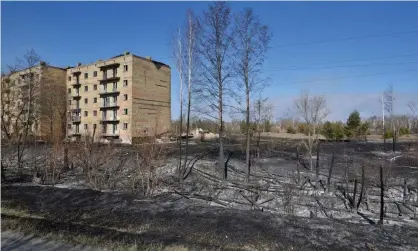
353	76
340	66
339	39
345	39
354	60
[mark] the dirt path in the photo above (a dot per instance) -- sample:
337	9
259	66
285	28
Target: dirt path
11	240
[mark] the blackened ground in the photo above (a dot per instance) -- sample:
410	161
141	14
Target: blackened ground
172	219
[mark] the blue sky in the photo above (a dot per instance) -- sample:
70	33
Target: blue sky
65	33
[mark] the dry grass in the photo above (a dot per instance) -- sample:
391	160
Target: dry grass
23	222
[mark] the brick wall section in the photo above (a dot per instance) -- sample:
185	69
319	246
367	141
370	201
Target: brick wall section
151	97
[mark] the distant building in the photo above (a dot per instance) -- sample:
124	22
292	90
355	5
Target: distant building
33	99
123	98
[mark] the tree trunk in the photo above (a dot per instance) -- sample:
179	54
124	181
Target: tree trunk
405	189
362	187
382	194
221	143
247	136
317	166
393	141
353	201
330	171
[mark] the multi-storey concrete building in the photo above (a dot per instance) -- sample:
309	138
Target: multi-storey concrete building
123	98
32	102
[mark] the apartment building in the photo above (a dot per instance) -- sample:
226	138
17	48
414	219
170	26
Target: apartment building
32	99
122	99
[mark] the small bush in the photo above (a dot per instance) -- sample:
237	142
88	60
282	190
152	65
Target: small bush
387	134
403	131
291	130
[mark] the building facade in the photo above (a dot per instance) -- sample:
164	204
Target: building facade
121	99
32	105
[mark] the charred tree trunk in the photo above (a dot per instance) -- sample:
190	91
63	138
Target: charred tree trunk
362	187
330	171
353	201
405	189
382	194
317	166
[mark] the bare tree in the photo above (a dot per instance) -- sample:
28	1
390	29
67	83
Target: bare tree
388	106
179	58
250	46
191	54
20	114
262	112
313	110
186	58
214	52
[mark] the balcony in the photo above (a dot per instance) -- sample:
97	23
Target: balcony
76	95
76	73
76	119
74	134
111	120
106	79
111	105
114	135
76	84
109	66
76	110
109	92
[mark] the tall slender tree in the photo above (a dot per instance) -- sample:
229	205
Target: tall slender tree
179	59
215	47
250	47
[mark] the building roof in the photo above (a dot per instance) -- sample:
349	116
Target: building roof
127	54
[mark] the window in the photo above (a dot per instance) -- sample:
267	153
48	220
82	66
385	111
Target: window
86	88
115	86
125	68
95	74
95	87
125	83
125	96
94	100
115	72
125	111
86	75
94	113
69	90
86	101
86	113
125	126
69	126
69	78
85	126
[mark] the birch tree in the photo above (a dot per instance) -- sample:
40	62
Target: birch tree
185	59
250	47
179	58
215	55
